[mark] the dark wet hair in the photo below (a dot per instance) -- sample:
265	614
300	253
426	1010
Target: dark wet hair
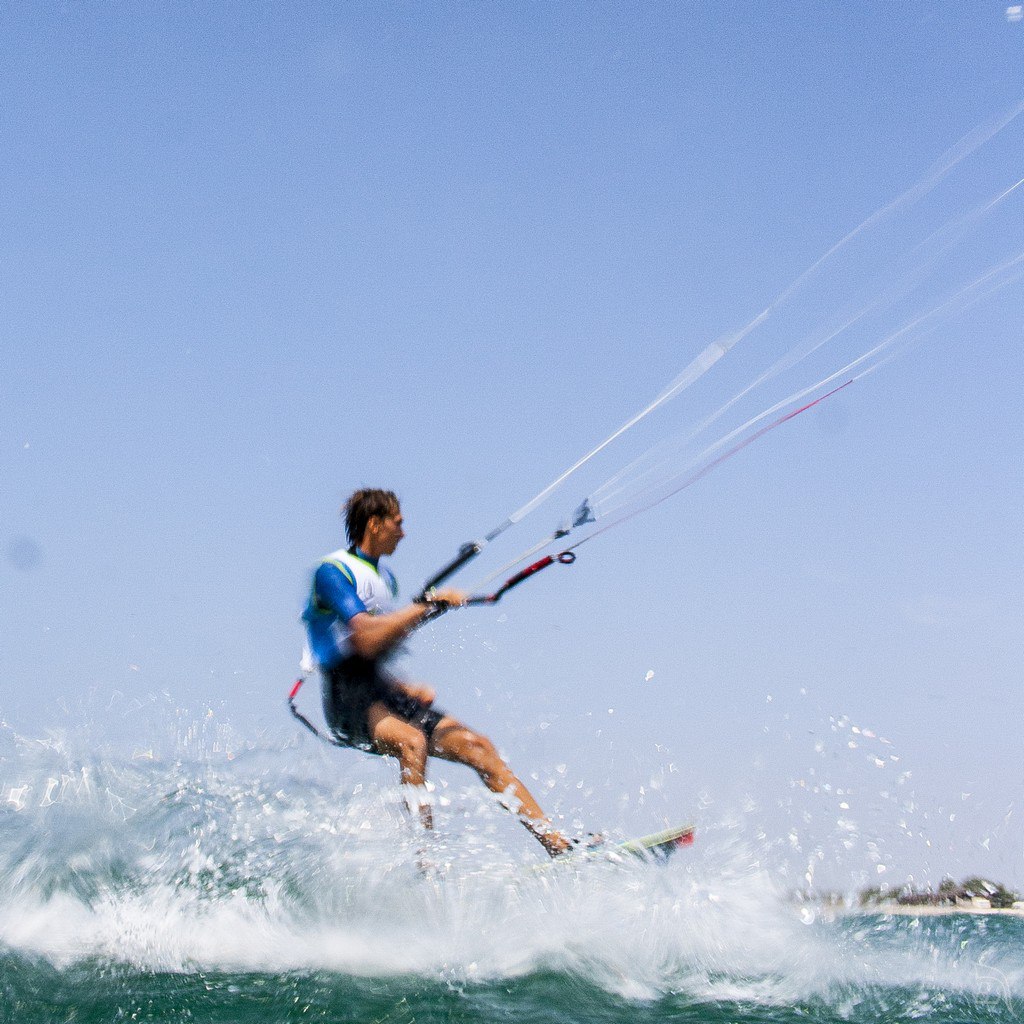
363	506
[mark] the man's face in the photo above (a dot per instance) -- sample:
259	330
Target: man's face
389	532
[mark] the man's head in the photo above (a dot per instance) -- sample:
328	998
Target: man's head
373	520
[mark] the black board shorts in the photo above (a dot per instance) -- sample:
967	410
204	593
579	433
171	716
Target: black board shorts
352	686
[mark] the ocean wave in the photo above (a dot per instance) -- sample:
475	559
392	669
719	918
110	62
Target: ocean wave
254	859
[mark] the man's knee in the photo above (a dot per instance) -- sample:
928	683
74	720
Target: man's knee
478	751
412	745
403	741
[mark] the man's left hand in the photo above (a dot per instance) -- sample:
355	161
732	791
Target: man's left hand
419	691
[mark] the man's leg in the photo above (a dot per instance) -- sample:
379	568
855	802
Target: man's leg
395	737
453	741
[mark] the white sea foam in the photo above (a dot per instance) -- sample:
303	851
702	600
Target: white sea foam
265	862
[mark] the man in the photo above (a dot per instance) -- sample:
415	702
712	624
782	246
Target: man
354	628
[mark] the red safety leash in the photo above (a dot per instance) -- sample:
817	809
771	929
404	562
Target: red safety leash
564	558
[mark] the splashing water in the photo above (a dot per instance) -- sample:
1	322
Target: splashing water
259	869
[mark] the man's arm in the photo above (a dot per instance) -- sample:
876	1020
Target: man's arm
374	635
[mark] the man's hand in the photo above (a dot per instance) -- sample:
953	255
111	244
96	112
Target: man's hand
447	598
419	691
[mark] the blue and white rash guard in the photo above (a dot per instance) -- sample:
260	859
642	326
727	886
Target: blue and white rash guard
345	584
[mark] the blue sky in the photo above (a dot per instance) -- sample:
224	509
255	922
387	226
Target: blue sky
258	255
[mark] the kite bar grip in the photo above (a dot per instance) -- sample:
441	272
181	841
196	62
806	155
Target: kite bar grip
466	552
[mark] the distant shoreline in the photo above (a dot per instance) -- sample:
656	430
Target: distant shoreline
929	910
974	896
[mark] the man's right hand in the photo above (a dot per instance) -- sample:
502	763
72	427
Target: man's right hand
447	598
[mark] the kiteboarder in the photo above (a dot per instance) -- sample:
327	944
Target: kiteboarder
354	629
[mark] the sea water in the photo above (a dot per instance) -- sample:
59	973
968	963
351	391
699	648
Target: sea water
254	885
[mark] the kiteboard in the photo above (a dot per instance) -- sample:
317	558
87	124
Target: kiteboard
658	846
